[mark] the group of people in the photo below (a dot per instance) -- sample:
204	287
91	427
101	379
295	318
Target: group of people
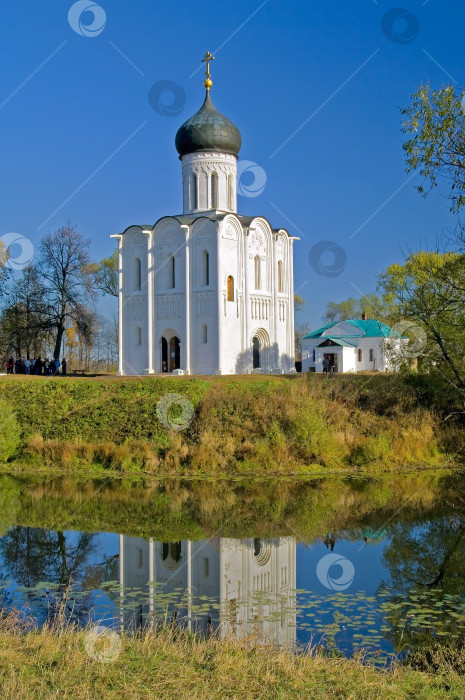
23	365
328	366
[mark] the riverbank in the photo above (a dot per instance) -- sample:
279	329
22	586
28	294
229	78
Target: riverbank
66	663
224	426
199	508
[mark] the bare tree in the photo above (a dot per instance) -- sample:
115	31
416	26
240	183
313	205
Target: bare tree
64	268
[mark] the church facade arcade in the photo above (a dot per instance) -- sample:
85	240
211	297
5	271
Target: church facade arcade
208	291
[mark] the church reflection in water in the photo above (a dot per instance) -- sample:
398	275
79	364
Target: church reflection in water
233	587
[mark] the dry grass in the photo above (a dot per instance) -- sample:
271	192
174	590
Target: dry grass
172	664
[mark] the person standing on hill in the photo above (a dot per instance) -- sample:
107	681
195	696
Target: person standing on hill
63	367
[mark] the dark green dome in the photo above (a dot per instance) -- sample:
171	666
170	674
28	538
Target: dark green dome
208	130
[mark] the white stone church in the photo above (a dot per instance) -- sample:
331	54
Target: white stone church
207	291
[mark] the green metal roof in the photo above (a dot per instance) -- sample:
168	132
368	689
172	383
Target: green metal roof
369	329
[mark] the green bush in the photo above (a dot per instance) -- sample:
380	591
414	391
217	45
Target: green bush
373	449
10	433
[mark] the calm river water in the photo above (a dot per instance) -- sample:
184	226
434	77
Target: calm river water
373	564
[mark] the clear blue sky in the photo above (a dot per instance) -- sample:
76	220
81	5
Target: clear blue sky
288	61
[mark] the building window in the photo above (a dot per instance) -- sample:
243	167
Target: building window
230	288
138	335
214	191
172	271
314	355
359	353
138	275
206	268
171	550
204	333
257	271
230	193
139	557
280	276
205	567
372	355
194	191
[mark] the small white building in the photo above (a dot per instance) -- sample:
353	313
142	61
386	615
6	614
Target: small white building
207	291
351	346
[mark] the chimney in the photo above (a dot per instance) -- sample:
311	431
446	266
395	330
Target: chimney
364	316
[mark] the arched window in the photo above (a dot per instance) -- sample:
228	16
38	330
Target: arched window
172	271
359	355
230	288
280	276
214	191
204	333
206	268
257	271
230	193
138	335
255	352
194	191
171	550
138	275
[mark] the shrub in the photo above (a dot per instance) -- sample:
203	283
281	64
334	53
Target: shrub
10	432
373	449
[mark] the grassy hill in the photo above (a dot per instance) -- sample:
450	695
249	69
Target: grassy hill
224	425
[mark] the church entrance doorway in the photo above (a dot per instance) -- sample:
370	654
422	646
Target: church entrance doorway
255	352
175	354
170	354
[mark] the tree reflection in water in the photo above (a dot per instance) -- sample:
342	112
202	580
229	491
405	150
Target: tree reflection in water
424	595
47	564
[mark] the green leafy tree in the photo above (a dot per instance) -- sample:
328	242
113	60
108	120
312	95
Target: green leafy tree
435	124
429	290
353	308
105	274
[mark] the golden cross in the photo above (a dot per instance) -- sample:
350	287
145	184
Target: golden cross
206	59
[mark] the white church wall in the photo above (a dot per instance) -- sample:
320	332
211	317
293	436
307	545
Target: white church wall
259	300
203	240
284	302
169	251
134	302
230	239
